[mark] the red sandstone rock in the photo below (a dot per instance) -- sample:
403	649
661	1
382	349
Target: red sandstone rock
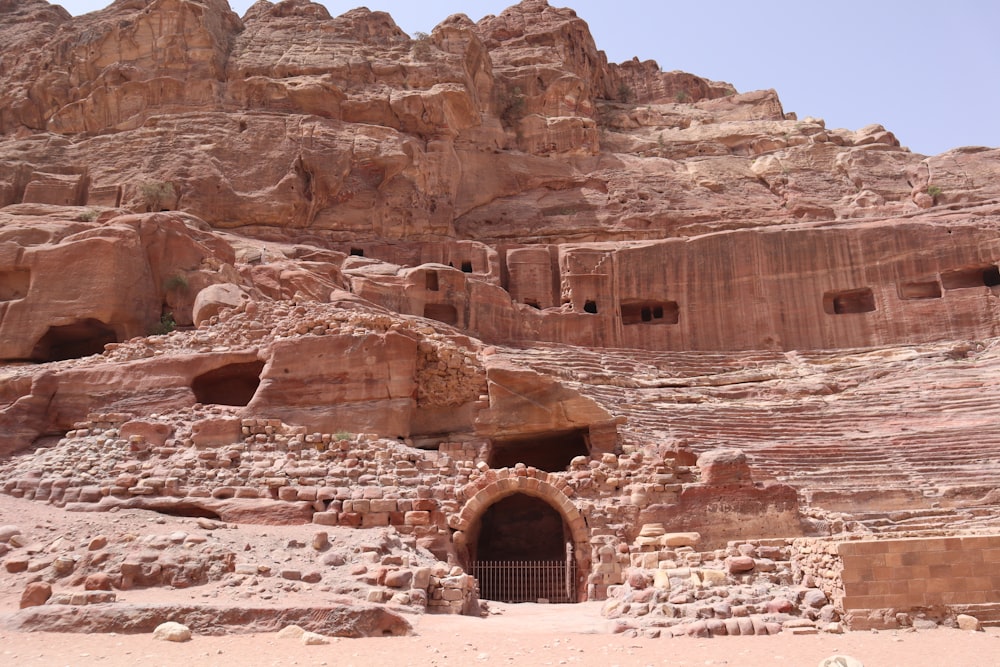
35	594
724	466
356	620
739	564
500	181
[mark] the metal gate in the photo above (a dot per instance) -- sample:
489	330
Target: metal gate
526	580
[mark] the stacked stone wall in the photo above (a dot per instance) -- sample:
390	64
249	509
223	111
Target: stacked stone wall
885	583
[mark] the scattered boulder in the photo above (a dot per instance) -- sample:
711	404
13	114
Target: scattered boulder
313	639
291	632
172	631
36	593
968	623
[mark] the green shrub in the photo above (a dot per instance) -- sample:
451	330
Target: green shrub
934	191
681	96
89	215
166	325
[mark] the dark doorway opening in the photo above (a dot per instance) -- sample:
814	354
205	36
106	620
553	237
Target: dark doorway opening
73	341
234	384
590	307
650	312
551	452
520	552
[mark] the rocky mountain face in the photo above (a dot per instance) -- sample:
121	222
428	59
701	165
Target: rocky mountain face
359	231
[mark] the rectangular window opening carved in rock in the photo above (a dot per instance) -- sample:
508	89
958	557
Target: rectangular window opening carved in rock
921	289
979	276
650	312
849	301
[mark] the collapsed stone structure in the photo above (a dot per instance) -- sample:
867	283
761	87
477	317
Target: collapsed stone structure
483	287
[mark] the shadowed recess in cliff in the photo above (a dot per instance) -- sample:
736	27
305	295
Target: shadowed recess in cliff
73	341
551	452
234	384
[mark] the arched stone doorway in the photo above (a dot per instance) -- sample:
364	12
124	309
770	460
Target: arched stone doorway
524	539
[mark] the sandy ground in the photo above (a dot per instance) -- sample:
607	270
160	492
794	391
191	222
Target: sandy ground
522	635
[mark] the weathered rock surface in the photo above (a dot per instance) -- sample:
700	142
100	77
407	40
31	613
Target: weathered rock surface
366	280
343	620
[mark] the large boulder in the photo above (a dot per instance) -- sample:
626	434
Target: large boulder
720	467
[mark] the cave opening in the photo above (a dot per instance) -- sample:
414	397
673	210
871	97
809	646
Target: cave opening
82	338
234	384
551	452
650	312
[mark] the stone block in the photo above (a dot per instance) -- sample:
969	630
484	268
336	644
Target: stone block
381	505
326	518
417	518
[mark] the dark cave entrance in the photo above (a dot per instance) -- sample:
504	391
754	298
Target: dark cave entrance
520	552
551	452
73	341
234	384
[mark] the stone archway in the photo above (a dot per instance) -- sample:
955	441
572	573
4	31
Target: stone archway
495	486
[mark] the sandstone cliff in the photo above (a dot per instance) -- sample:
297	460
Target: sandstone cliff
360	231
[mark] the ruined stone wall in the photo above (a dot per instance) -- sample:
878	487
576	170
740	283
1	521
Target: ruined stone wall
264	471
872	582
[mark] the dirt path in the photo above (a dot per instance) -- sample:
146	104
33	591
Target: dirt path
521	635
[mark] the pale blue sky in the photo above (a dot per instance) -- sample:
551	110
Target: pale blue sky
928	71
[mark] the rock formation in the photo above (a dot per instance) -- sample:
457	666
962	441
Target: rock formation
293	268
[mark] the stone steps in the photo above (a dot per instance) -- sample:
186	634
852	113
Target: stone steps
905	421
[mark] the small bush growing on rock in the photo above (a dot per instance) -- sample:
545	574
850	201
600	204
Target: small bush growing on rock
157	194
681	96
934	191
166	325
421	48
625	92
89	215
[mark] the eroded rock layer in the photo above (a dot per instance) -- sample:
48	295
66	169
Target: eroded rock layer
477	287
